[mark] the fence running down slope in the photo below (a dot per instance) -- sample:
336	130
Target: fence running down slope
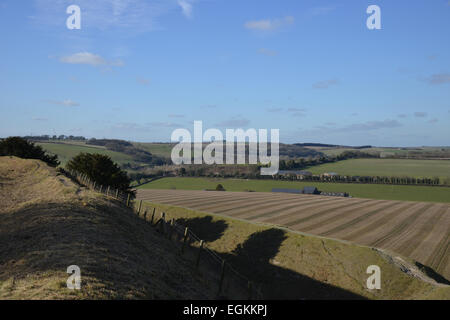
419	230
229	282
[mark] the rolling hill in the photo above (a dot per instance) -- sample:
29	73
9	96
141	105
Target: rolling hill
47	223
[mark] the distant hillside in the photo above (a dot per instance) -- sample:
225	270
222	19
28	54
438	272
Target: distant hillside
330	145
285	150
48	223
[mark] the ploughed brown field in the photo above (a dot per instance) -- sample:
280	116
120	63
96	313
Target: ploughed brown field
419	230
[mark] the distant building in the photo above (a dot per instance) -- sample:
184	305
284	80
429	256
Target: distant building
310	190
295	172
330	174
286	190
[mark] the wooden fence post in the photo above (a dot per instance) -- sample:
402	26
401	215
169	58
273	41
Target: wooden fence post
117	193
186	231
107	191
198	255
153	216
222	275
140	206
163	221
94	185
101	188
128	200
171	229
145	215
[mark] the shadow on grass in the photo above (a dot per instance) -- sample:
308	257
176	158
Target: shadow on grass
205	228
120	255
252	259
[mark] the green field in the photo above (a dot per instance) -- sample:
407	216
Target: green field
158	149
67	151
371	191
387	167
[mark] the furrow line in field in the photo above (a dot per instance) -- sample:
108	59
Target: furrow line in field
377	222
321	212
400	228
438	254
302	210
268	210
424	251
423	226
236	207
362	217
332	215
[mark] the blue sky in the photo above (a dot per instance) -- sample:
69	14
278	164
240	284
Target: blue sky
138	69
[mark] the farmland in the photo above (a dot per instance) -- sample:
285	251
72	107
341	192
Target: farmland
387	167
371	191
418	230
67	151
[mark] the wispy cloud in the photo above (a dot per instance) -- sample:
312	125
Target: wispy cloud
438	78
66	103
143	81
296	112
434	120
40	119
267	52
325	84
173	115
234	122
370	125
89	59
402	115
186	8
420	114
275	109
269	24
164	124
139	15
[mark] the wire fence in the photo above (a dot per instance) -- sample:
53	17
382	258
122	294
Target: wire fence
220	274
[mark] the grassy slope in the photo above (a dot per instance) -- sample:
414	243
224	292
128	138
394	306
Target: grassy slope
387	167
287	265
48	223
158	149
371	191
66	151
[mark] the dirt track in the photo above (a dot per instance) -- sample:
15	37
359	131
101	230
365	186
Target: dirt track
414	229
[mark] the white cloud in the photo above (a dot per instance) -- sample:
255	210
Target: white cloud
186	8
439	78
90	59
173	115
267	52
325	84
138	15
420	114
234	122
83	58
269	24
66	103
